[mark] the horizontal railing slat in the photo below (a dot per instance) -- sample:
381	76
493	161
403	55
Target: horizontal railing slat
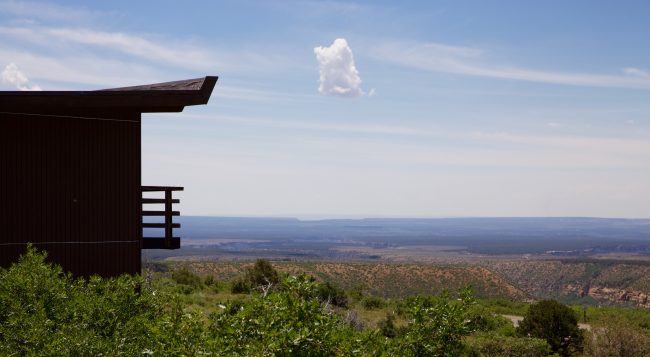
158	200
160	188
160	225
159	213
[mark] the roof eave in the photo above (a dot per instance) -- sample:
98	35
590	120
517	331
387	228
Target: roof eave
126	99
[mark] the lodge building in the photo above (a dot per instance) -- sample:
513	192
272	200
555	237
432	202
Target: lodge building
70	175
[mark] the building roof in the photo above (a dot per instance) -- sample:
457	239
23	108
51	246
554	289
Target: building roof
160	97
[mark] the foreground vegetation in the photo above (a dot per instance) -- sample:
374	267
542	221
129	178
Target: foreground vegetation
263	313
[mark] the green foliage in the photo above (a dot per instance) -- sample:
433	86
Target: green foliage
288	322
262	273
372	303
33	298
617	338
387	326
240	286
483	319
637	317
492	344
356	293
46	312
437	325
554	322
332	294
261	276
212	283
506	307
188	280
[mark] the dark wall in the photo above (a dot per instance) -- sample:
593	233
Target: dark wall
71	186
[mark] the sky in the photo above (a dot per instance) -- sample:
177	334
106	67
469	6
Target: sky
327	109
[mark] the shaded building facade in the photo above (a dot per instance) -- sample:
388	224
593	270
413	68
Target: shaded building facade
70	175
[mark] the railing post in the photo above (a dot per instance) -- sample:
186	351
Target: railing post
168	219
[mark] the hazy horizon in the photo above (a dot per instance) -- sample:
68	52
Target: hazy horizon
321	217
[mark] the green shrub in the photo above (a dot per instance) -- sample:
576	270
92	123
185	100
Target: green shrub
436	325
261	277
46	312
485	320
289	322
332	294
184	276
492	344
372	303
554	322
212	283
209	280
356	293
617	338
240	286
262	273
387	326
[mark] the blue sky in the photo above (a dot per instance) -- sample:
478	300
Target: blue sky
360	109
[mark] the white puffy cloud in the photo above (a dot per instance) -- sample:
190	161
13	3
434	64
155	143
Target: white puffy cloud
338	74
11	74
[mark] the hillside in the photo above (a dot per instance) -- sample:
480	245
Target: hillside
383	279
583	282
588	281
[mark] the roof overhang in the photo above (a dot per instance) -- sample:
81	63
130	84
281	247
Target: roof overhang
152	98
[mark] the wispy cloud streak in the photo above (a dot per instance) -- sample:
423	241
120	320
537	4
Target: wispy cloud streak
470	62
133	45
119	58
45	11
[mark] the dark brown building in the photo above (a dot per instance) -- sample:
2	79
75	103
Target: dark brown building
70	175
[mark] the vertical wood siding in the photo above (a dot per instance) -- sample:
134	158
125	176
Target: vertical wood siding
71	186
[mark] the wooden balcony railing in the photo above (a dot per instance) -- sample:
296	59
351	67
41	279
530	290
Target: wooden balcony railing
168	241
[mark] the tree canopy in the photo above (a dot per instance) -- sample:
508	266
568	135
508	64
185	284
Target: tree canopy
554	322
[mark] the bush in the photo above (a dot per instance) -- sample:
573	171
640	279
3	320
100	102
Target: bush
356	293
185	277
262	273
618	338
436	326
261	276
212	283
330	293
491	344
485	320
289	322
554	322
209	280
372	302
46	312
387	326
240	286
